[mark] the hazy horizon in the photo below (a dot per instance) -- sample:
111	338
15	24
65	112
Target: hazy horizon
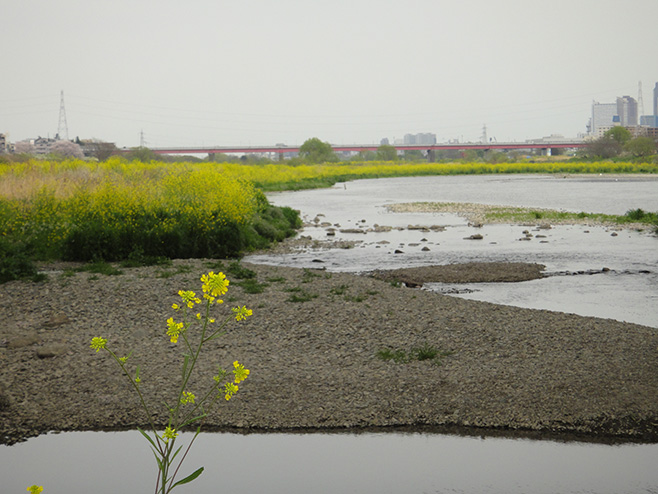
349	72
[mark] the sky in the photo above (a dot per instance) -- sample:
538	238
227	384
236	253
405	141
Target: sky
262	72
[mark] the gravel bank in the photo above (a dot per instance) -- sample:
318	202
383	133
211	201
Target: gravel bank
314	365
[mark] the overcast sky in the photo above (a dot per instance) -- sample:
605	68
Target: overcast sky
260	72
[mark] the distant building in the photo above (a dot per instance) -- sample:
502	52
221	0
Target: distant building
604	117
42	145
627	111
649	121
3	143
423	139
655	100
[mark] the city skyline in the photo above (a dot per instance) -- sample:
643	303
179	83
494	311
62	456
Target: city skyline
214	73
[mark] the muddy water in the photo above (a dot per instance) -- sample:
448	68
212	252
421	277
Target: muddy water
333	463
618	269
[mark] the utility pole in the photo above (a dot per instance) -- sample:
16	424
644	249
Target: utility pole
62	127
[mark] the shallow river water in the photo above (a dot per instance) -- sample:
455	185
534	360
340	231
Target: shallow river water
626	291
410	463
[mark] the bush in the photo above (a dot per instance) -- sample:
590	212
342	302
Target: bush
15	262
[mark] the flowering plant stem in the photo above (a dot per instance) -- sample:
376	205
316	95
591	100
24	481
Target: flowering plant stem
188	409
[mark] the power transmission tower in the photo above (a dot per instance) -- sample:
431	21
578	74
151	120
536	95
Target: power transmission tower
142	141
62	128
484	137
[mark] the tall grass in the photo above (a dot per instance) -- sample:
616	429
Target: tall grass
113	210
74	210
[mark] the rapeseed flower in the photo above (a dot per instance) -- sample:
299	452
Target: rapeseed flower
240	372
241	313
98	343
187	398
169	433
230	389
189	298
214	285
35	489
174	329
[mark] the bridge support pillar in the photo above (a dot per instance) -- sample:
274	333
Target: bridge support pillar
211	157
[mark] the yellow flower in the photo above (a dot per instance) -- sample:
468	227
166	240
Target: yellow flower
213	284
35	489
241	313
187	398
175	306
169	433
240	372
230	389
174	329
98	343
189	298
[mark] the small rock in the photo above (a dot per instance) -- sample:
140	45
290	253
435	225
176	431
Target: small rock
425	249
22	341
613	234
475	236
50	351
398	251
57	320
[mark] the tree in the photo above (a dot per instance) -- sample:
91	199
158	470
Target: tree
24	147
66	149
315	151
142	154
641	147
620	134
99	149
386	152
605	147
413	155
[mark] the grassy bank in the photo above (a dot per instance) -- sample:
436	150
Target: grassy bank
117	209
481	213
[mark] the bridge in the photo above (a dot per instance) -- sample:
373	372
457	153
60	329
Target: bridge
281	149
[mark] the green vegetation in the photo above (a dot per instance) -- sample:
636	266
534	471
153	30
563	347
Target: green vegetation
507	215
425	352
145	212
299	295
315	151
251	286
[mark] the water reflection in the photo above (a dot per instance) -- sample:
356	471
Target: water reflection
333	463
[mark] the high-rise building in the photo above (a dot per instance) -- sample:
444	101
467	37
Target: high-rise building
604	117
655	100
627	111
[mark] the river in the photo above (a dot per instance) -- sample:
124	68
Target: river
625	286
413	463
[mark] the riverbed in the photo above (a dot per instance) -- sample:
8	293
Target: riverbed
601	271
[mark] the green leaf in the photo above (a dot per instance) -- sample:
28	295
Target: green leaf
174	455
192	420
148	438
189	478
185	362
